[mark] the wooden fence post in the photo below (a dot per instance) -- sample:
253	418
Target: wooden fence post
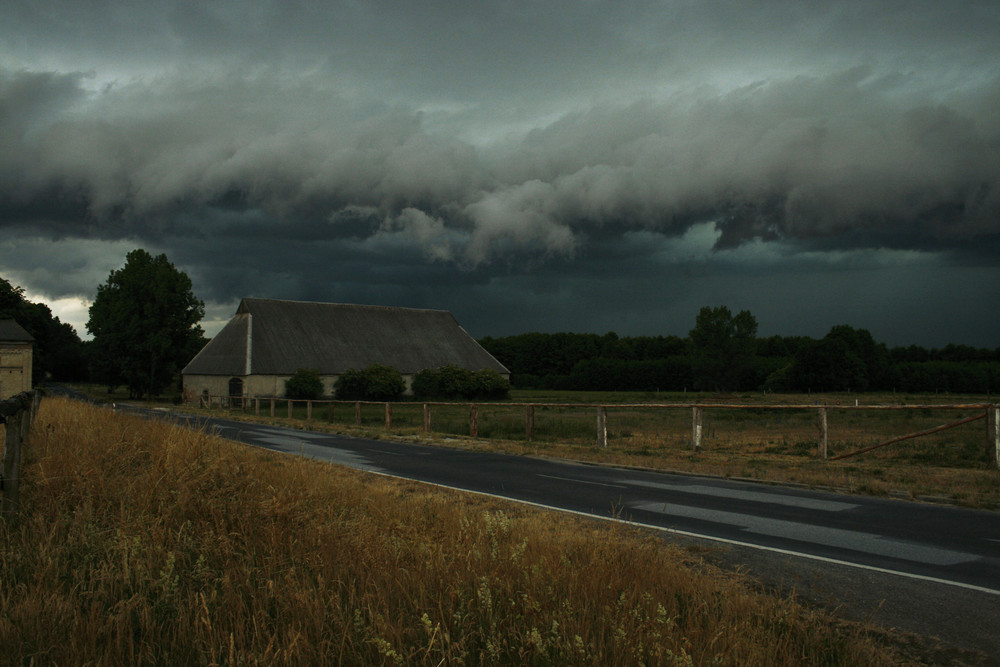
696	429
529	422
256	407
823	433
329	415
272	407
474	421
388	415
309	410
427	418
289	408
993	434
357	413
602	426
12	460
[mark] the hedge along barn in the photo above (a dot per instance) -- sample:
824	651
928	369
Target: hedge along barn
268	340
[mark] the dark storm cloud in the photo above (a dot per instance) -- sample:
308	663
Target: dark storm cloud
795	159
478	154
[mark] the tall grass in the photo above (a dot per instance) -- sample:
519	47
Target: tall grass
143	543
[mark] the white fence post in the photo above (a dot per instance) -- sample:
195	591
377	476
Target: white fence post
823	433
993	434
696	429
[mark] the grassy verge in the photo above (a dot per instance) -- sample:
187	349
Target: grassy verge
142	543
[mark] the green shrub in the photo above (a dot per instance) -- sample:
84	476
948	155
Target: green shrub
455	382
305	384
382	383
489	384
377	382
350	386
426	384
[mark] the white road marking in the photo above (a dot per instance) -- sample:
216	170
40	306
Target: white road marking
580	481
754	496
805	532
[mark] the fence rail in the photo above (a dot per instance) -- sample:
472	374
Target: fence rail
989	412
17	414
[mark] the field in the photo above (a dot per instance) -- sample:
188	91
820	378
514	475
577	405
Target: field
762	443
142	543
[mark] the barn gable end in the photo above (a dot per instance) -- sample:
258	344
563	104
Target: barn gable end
15	359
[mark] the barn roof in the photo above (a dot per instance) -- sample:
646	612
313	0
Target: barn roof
12	332
272	337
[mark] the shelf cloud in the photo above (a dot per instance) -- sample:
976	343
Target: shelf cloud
514	161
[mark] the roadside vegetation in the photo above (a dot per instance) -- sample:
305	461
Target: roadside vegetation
143	543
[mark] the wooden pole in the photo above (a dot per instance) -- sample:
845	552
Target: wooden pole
427	418
289	408
823	433
910	436
388	415
696	429
993	434
529	422
272	407
12	461
309	410
329	415
357	413
256	407
602	426
474	421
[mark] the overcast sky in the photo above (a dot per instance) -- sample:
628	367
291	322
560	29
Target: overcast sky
529	165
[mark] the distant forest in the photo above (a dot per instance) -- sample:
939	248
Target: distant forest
723	353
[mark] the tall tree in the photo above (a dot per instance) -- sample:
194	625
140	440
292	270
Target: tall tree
723	346
145	325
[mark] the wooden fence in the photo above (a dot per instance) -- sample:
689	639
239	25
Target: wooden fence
988	412
17	415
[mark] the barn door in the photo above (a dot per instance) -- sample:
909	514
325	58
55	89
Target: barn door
236	393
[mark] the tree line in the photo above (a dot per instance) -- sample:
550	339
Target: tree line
145	327
723	353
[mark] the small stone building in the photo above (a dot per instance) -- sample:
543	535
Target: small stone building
16	346
269	339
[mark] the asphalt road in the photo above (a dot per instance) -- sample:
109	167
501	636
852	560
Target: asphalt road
921	568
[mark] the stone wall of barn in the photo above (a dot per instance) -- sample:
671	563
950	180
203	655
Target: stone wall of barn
15	369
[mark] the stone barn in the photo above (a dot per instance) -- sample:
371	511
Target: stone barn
268	340
15	359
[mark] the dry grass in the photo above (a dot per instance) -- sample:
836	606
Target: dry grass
142	543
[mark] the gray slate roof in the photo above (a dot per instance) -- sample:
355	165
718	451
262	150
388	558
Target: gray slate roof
12	332
284	336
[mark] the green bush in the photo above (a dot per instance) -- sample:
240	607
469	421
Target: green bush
350	386
489	384
377	382
426	384
305	384
382	383
455	382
